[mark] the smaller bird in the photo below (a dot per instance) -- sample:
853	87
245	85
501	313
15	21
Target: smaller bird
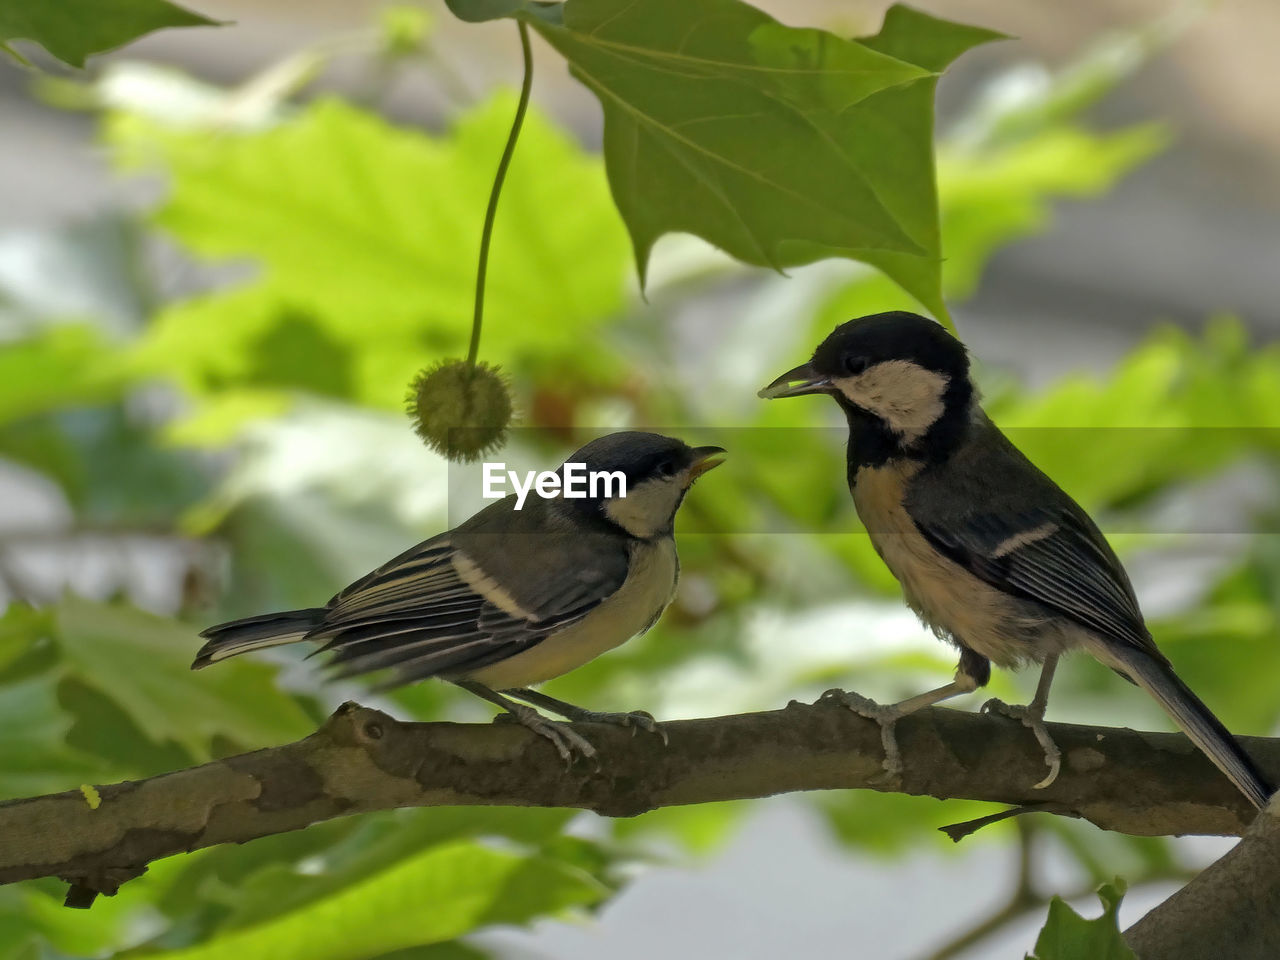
991	553
512	597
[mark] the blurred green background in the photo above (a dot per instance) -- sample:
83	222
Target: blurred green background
223	255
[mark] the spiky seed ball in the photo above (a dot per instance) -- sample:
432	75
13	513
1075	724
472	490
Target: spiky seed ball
460	412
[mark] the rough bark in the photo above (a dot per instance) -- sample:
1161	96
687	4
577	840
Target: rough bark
361	760
1232	909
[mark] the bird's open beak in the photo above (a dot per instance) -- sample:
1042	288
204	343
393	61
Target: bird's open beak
796	383
704	459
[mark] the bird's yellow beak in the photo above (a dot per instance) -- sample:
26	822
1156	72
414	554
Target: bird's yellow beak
796	382
704	459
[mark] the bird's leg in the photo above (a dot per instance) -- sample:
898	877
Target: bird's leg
888	715
635	719
566	741
1031	715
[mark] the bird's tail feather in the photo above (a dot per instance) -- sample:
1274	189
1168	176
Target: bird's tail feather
1205	730
254	633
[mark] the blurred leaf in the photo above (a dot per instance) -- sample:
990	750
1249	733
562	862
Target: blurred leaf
433	897
1175	408
121	477
404	30
34	754
993	196
17	939
888	823
73	29
1011	154
379	844
222	417
439	951
367	237
142	663
701	829
233	887
1068	936
1225	647
103	729
793	144
59	368
1029	98
95	933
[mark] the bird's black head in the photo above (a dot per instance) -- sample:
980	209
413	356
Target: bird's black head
648	476
902	380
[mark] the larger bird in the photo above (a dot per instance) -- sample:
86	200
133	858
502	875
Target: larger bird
990	552
512	597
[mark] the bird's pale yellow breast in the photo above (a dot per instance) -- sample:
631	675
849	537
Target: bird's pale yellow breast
648	588
948	598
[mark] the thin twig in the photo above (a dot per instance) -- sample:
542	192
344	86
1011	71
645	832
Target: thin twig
486	234
1022	899
1026	898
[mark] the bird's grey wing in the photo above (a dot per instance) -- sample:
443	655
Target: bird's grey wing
991	511
1040	545
486	591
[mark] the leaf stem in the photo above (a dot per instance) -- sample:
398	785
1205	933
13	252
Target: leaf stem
486	234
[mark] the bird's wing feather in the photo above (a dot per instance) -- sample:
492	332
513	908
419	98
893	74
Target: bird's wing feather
494	587
1038	545
1041	546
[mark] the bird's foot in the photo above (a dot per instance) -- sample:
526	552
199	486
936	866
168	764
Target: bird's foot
885	715
568	742
635	719
1031	715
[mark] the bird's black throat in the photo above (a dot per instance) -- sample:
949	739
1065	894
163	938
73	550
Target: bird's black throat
872	443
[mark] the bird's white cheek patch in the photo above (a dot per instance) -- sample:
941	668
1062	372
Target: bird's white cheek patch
648	507
903	394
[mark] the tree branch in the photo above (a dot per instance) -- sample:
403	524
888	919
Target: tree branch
1231	909
362	760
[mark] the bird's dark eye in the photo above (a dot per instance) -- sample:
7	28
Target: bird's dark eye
854	364
666	468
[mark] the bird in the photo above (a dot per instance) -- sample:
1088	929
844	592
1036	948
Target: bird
991	553
512	596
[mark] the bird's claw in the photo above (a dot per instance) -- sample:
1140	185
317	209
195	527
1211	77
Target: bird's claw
1031	716
568	742
635	719
886	716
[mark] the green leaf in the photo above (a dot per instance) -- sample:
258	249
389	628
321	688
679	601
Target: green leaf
366	235
780	145
142	663
378	844
452	950
430	898
478	11
73	29
34	755
993	196
1176	408
61	367
1004	163
1069	936
896	144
